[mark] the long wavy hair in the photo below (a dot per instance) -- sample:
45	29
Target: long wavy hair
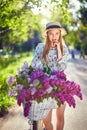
47	47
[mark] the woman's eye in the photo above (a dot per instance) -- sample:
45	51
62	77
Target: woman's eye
50	34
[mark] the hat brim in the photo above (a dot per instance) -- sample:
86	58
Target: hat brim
63	32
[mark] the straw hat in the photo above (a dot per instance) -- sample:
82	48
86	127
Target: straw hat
53	25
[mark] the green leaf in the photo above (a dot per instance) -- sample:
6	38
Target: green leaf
58	102
31	69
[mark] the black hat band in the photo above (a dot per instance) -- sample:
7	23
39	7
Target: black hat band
52	26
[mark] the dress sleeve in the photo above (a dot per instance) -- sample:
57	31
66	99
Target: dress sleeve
62	63
37	58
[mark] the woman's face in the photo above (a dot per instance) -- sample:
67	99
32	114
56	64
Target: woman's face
53	35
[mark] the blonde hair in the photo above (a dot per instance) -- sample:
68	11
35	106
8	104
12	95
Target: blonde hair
47	47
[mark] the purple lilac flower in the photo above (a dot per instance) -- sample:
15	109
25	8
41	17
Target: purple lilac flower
49	86
52	76
49	90
25	74
29	79
44	79
11	93
20	99
80	95
45	82
31	85
70	100
75	89
40	93
46	85
57	83
18	71
11	80
61	82
27	94
36	74
52	82
61	75
25	67
19	87
24	94
58	96
33	91
27	108
53	72
69	89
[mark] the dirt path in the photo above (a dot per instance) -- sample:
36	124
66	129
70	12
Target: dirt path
14	120
75	119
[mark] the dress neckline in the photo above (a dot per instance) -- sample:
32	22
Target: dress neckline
53	48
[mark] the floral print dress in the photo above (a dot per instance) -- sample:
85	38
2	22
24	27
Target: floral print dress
54	63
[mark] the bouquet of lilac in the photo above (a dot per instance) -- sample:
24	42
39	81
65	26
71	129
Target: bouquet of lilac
30	84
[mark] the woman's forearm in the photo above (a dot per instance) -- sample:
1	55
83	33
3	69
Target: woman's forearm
59	52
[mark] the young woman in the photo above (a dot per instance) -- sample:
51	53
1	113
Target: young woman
54	53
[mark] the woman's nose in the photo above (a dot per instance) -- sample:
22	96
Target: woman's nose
54	36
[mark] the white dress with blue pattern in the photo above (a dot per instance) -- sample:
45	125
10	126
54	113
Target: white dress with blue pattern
39	111
54	62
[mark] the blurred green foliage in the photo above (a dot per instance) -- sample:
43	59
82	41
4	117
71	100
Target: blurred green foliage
9	65
17	21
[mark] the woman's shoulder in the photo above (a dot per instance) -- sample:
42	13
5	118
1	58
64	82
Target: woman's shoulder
65	50
65	47
40	46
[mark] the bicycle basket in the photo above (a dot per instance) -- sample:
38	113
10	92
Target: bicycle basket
39	111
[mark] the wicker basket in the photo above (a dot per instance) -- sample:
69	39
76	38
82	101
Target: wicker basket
39	111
